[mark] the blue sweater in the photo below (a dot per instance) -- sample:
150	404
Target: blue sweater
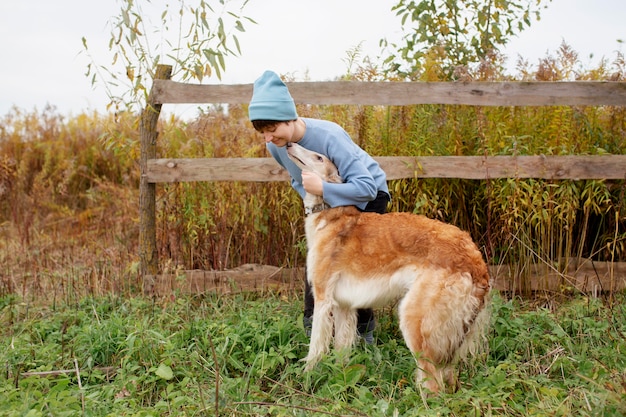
363	178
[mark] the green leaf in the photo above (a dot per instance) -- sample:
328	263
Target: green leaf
164	372
353	374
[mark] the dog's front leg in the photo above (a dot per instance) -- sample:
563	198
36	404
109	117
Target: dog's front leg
345	327
321	332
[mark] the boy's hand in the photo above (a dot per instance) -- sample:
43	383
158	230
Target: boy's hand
312	183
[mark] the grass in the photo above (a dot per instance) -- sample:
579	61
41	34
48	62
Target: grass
239	355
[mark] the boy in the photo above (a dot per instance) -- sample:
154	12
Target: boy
272	112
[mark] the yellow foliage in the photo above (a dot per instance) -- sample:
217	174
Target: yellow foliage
69	186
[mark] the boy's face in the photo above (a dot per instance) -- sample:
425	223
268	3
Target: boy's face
279	134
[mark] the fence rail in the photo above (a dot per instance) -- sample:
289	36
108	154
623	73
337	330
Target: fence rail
579	93
165	91
399	167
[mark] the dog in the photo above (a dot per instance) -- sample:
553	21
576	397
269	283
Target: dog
357	259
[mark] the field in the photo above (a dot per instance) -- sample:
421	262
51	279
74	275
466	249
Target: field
239	355
79	336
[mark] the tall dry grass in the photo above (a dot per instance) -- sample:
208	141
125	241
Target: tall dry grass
69	186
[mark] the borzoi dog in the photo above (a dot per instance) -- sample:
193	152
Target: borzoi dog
368	260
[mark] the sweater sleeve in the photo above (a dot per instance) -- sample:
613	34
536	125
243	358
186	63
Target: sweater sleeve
359	186
361	174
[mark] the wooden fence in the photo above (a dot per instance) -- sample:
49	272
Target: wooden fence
159	170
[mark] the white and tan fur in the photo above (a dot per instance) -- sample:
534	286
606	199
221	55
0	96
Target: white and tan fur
368	260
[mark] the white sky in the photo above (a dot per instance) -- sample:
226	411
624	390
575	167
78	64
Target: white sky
42	61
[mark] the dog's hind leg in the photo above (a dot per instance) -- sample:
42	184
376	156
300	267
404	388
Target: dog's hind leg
435	316
411	314
321	332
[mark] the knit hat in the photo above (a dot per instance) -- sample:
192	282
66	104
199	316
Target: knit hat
271	99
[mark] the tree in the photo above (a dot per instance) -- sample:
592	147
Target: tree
455	32
195	38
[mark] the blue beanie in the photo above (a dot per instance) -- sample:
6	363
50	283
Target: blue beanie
271	99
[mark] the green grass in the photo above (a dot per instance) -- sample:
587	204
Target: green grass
141	357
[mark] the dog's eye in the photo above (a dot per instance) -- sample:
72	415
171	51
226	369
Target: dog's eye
319	158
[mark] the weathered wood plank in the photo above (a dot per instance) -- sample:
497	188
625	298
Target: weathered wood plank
216	169
588	277
246	278
529	166
467	167
404	93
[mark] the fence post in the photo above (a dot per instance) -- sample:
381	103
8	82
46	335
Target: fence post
148	255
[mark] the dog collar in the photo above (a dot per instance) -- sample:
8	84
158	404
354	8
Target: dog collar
316	208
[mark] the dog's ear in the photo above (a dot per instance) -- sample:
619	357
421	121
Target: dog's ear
335	178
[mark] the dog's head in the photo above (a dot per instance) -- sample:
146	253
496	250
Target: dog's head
314	162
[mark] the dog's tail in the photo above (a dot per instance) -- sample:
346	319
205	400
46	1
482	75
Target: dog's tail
475	343
450	319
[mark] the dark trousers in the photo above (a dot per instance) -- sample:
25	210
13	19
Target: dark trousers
365	321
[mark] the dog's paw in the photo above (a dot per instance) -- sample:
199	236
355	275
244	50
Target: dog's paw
308	367
309	363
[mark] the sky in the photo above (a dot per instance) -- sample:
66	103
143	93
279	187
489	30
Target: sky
43	61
